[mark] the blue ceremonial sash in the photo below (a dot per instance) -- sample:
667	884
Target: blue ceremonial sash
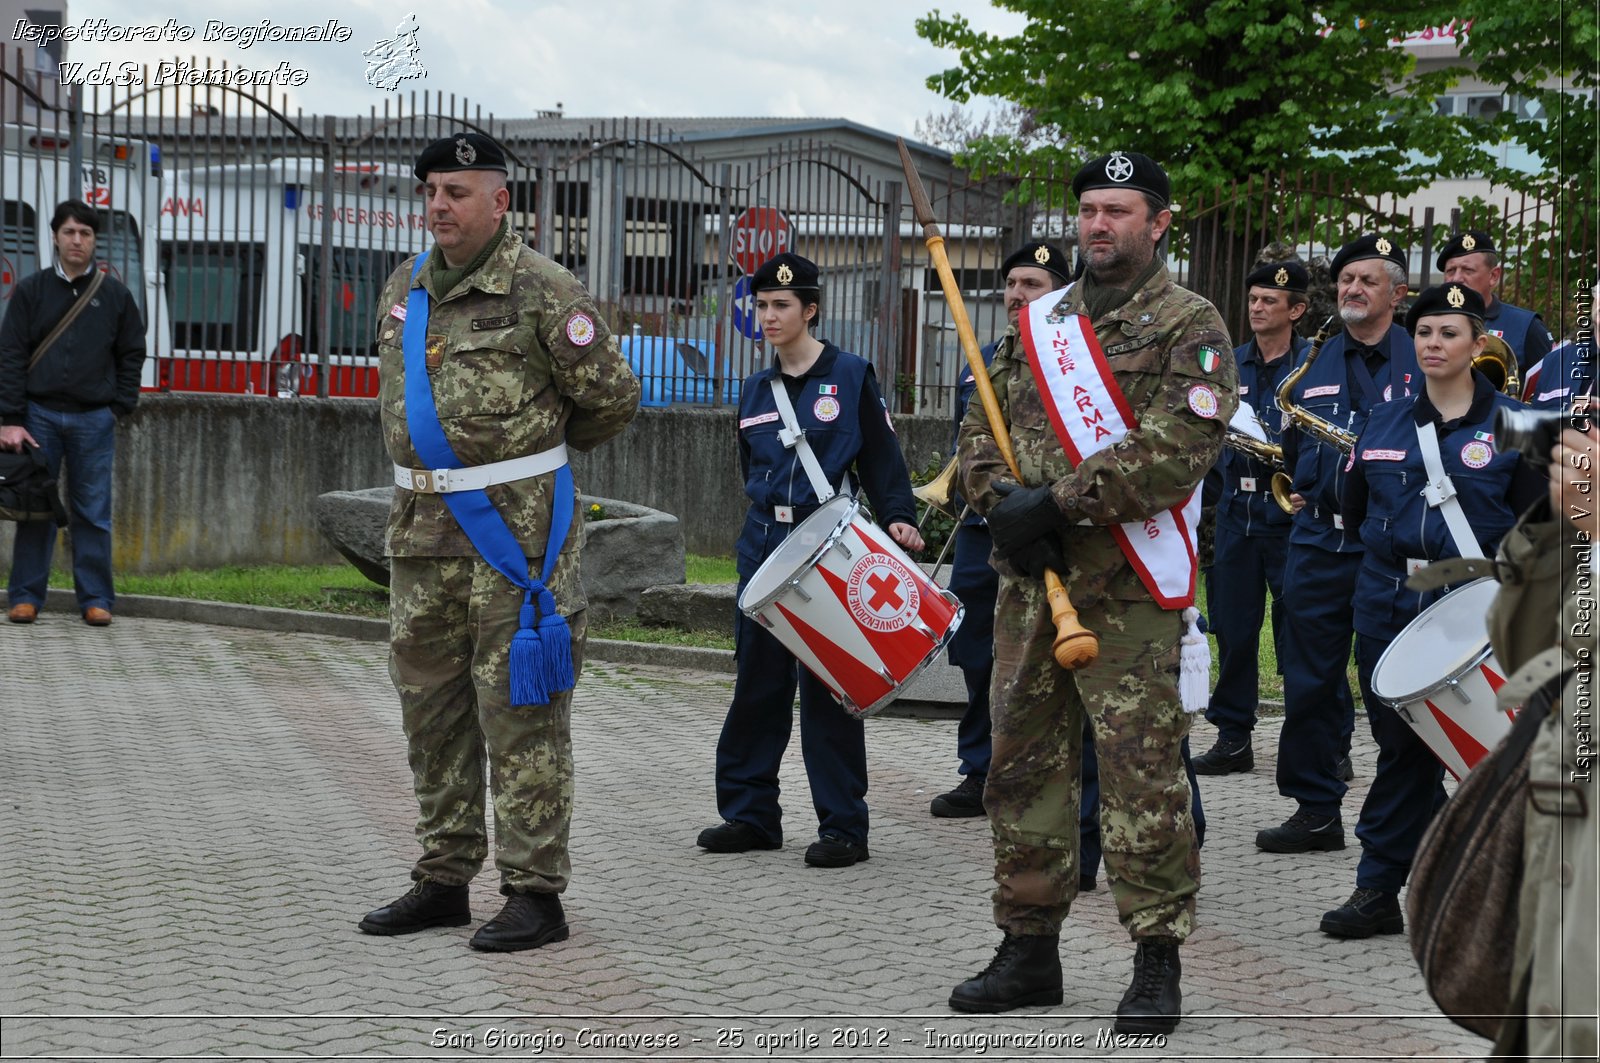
541	650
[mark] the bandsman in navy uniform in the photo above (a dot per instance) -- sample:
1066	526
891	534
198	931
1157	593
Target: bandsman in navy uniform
1252	529
1369	362
1030	271
845	421
1470	258
505	353
1145	446
1404	531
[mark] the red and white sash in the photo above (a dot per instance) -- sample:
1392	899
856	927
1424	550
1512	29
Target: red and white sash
1089	412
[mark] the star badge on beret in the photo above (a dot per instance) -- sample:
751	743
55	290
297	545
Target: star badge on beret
1468	242
1119	167
466	154
785	274
1041	255
1383	246
1281	277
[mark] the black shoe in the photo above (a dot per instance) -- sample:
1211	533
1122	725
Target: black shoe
527	921
1303	832
1154	1001
1087	883
964	802
429	904
835	850
1222	760
1025	972
731	837
1344	769
1366	913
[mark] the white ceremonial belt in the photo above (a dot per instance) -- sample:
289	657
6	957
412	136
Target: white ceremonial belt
477	477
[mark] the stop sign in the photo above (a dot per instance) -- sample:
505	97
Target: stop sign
758	234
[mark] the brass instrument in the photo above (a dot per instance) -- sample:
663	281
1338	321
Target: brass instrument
935	494
1499	363
1340	439
1270	453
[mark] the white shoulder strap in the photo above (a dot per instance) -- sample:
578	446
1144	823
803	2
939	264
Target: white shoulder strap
1441	493
793	438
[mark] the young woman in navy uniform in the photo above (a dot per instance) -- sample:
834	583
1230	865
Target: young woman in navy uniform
1382	496
846	423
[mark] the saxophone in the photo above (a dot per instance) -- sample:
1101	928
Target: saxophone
1340	439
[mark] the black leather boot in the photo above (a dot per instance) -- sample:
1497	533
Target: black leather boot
429	904
1154	1002
527	921
1025	971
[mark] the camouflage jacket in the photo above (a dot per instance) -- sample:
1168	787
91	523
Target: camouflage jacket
520	360
1153	344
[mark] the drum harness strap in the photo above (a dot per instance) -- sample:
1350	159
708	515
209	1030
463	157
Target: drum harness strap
794	437
1441	494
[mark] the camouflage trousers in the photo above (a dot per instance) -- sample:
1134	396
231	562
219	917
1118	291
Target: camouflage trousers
450	624
1130	694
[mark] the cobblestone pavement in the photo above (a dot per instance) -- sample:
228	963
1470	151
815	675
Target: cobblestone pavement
196	816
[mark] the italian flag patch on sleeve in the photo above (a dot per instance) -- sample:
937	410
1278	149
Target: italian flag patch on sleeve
1210	358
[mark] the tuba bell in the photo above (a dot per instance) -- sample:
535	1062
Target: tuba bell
935	494
1498	362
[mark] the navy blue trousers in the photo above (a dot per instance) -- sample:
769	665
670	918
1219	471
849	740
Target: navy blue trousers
972	646
756	733
1251	568
1319	712
1406	792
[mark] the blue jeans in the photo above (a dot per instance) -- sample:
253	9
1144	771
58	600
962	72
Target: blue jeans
88	443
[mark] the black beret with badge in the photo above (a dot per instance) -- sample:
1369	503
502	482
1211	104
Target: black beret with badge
1039	255
1370	246
1123	169
460	151
1282	276
785	271
1451	298
1465	243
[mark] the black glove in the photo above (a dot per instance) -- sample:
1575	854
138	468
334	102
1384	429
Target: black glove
1024	515
1036	557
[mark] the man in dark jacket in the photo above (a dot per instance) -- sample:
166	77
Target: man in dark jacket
66	401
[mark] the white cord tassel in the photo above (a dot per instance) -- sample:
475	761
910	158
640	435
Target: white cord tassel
1194	668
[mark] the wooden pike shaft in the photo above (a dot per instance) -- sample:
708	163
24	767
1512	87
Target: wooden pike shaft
958	311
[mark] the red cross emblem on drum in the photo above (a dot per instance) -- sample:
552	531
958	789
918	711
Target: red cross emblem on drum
881	593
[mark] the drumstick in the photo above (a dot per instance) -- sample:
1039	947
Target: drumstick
1075	645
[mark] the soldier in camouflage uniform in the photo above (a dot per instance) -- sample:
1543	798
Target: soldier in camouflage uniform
520	362
1171	358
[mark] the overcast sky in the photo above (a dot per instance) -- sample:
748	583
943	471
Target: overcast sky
857	59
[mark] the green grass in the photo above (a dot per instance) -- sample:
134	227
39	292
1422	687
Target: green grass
702	569
323	588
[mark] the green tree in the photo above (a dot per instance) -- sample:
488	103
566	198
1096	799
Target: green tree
1216	88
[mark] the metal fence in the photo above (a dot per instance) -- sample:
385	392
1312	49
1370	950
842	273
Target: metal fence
257	239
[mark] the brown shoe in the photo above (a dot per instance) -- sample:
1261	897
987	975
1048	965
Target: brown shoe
23	613
95	616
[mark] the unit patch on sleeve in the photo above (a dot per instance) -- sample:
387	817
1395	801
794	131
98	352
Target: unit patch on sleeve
1203	401
580	330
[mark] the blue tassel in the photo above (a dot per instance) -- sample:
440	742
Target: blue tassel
541	654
